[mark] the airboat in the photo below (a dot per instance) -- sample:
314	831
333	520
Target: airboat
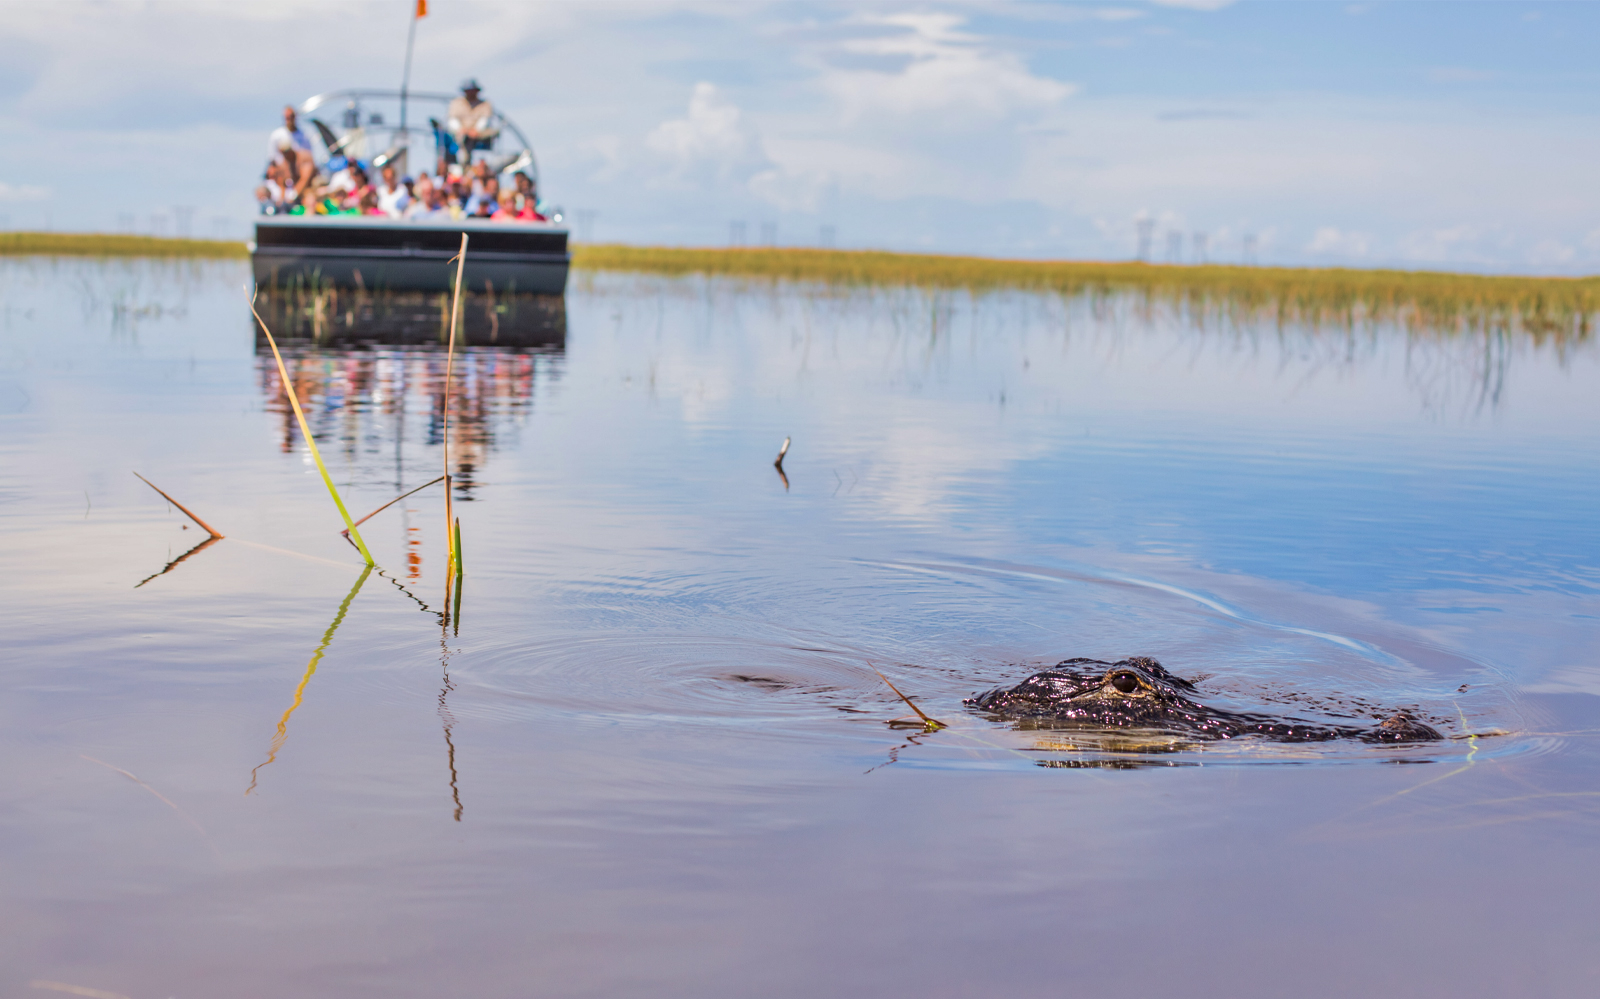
378	253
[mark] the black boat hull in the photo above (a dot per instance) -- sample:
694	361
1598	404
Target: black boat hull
383	254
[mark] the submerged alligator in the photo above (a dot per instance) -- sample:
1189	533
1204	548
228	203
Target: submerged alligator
1139	693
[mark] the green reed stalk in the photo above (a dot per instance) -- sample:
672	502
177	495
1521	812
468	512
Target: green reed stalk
305	430
450	531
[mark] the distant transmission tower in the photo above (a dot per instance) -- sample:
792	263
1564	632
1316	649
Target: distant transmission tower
1174	247
1250	248
1198	242
1147	230
735	233
769	234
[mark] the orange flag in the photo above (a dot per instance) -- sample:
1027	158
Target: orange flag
422	8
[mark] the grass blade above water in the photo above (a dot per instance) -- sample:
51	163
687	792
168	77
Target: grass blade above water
305	430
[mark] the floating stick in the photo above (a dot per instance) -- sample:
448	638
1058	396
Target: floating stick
778	463
392	502
928	724
190	513
305	431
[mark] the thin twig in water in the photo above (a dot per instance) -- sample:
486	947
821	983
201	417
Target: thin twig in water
163	798
190	513
305	431
928	724
392	502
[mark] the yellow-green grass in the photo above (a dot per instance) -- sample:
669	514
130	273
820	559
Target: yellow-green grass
102	244
1562	306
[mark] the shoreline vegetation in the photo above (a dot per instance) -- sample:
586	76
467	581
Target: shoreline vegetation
1432	299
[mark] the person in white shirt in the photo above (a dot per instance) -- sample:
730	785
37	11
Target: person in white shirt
392	195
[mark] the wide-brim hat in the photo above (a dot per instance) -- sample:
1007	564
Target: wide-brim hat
469	84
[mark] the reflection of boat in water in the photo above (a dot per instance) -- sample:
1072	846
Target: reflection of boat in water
384	403
339	316
409	254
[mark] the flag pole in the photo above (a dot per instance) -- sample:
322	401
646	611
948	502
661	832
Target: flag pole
418	13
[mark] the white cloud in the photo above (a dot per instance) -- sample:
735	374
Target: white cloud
22	192
1330	241
1207	5
1551	252
713	142
936	73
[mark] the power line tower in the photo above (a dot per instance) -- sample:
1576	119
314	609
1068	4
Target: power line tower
1197	242
1147	231
735	233
1174	246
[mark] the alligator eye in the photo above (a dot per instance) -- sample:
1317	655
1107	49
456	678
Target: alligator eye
1125	682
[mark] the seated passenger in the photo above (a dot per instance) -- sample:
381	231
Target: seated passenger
429	202
339	178
272	197
361	185
484	192
470	122
507	209
528	191
392	195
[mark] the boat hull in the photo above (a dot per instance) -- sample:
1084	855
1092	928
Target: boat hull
385	254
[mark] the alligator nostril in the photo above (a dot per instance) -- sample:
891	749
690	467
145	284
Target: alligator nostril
1125	682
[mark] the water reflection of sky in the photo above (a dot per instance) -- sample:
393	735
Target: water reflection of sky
659	683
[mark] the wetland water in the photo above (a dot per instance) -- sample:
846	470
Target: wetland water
654	760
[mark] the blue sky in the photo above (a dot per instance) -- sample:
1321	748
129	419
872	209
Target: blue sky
1366	134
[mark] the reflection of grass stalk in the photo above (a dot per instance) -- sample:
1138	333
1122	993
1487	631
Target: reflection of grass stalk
305	430
311	669
450	528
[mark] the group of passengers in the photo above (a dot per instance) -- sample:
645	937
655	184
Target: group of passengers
294	185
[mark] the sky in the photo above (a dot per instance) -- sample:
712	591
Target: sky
1416	135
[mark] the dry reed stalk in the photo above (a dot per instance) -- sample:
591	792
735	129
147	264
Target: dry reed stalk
188	512
449	368
928	724
392	502
305	431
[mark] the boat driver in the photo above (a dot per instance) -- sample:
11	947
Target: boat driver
471	122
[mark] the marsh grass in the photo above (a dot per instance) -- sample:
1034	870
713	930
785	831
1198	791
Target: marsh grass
103	244
1436	301
451	526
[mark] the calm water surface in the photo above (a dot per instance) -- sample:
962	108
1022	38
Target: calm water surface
650	757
